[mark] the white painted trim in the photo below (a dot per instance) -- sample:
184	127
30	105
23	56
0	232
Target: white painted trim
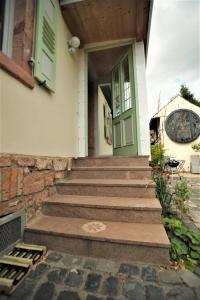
8	27
142	104
66	2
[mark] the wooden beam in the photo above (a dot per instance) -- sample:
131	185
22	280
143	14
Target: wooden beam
140	20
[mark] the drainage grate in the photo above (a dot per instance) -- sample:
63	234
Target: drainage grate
15	265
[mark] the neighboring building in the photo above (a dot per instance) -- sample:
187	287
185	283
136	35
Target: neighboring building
180	132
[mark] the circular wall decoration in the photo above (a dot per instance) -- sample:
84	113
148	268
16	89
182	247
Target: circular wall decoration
183	126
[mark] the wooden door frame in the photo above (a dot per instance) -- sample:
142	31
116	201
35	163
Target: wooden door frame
89	48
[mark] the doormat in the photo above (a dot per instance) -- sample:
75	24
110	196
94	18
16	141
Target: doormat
17	264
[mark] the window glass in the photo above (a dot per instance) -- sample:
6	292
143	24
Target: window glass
116	93
126	85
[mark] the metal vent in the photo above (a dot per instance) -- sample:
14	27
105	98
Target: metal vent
11	229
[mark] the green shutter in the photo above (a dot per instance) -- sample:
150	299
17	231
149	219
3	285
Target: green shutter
45	47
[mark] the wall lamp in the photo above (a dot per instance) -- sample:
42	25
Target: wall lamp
73	44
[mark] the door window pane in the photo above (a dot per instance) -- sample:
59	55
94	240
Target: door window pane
116	93
126	85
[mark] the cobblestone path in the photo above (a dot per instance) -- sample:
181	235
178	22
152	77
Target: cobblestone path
65	277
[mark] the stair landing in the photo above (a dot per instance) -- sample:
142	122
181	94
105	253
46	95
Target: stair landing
128	240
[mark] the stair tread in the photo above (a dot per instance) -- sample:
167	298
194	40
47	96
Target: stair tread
106	202
115	232
108	182
110	168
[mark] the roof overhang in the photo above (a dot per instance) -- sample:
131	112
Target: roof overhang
96	21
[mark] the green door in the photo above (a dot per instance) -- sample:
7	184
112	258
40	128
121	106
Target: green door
124	110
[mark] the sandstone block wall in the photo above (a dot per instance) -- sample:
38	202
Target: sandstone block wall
25	181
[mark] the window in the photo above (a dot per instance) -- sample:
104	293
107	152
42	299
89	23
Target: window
6	26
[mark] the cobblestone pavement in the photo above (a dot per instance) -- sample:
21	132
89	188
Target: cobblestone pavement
66	277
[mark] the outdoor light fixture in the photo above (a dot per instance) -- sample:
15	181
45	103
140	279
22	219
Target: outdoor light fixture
73	44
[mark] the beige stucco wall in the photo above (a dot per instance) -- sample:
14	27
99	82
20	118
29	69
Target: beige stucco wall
179	151
103	147
38	122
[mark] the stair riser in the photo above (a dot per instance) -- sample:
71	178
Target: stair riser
112	161
114	174
112	191
104	214
103	249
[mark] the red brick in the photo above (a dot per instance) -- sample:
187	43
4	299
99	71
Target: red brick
52	190
49	179
28	201
5	161
39	197
13	182
34	182
20	178
6	175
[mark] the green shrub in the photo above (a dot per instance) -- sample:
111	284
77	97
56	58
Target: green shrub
182	193
157	156
185	243
163	192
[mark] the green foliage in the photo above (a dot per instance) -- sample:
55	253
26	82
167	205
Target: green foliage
185	243
196	147
182	193
157	156
163	192
185	93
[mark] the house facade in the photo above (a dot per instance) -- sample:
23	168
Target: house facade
74	127
186	130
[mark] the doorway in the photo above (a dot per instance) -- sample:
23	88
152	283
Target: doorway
112	126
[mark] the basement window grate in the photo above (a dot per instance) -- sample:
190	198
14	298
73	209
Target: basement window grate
10	232
11	229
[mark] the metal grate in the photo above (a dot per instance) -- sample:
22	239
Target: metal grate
11	229
10	232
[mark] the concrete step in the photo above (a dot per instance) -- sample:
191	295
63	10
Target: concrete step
116	240
135	210
118	172
101	161
107	187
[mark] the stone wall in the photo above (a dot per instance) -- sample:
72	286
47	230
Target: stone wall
25	181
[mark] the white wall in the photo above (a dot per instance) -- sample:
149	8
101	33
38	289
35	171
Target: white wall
177	150
38	122
103	147
141	97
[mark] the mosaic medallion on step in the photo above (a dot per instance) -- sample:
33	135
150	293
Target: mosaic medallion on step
94	227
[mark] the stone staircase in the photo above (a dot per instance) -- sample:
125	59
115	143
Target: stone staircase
105	207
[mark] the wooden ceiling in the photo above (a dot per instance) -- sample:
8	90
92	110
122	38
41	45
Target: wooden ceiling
105	20
102	62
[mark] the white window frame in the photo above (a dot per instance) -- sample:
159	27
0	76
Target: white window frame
8	27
